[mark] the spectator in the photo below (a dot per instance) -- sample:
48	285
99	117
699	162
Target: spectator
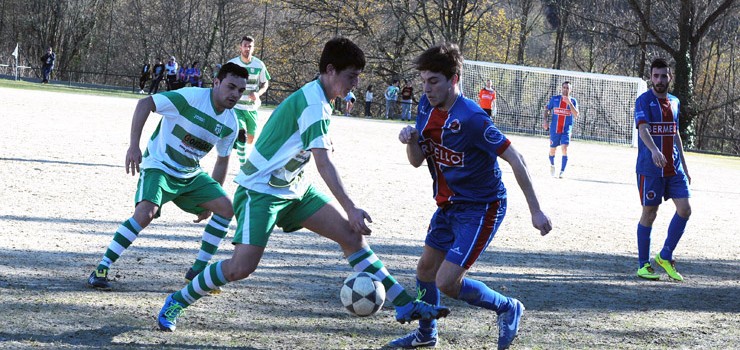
193	75
146	74
158	74
368	101
391	96
407	98
171	69
182	76
350	100
487	99
47	62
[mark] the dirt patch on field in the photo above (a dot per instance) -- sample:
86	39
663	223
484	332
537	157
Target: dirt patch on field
65	191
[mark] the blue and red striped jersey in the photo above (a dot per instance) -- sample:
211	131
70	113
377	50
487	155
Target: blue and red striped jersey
561	120
462	146
661	114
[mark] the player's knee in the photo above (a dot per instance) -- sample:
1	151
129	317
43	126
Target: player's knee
684	212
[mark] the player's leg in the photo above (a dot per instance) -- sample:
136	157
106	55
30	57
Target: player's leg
677	188
650	189
319	215
214	232
242	138
149	198
256	216
554	143
565	141
426	287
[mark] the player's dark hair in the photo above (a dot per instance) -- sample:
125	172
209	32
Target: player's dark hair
341	53
566	82
444	58
659	63
233	69
247	38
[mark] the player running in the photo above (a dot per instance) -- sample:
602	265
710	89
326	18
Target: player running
194	121
257	84
559	114
273	191
661	170
461	147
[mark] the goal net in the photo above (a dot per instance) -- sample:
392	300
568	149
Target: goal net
606	102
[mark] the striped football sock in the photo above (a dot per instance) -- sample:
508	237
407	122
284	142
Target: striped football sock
364	260
214	232
125	235
211	278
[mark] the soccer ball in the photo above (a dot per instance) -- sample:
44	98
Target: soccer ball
362	294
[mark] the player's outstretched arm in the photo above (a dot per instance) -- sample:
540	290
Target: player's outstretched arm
410	137
539	220
133	156
330	175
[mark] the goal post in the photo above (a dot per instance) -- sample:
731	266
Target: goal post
606	102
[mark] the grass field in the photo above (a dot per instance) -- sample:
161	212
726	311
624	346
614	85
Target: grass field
65	191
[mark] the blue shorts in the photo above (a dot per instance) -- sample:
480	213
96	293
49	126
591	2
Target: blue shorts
655	189
557	139
464	230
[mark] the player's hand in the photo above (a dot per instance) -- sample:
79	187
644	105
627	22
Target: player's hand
357	219
541	222
202	216
408	135
253	96
658	158
545	126
133	159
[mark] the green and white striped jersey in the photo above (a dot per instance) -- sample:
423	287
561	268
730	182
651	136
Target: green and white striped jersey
189	129
257	75
298	124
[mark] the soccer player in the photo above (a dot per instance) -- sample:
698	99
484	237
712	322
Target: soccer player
273	191
194	121
257	84
487	99
562	108
661	170
461	147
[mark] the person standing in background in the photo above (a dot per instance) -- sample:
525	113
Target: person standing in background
47	64
368	101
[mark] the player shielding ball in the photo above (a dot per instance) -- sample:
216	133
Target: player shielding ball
461	147
194	121
661	170
559	114
274	191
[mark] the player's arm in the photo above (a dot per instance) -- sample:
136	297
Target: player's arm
658	157
546	121
410	136
262	90
220	169
539	220
679	145
141	114
330	175
573	108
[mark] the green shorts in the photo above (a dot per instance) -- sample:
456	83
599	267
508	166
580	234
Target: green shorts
247	120
258	213
158	187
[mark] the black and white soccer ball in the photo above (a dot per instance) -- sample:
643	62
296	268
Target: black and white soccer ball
362	294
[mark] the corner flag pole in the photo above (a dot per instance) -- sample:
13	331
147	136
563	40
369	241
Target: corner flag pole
15	54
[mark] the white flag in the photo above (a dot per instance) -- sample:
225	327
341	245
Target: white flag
15	52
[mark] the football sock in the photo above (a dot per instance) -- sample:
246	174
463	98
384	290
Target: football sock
565	162
125	235
552	160
206	281
428	292
364	260
675	231
478	294
643	244
241	151
214	232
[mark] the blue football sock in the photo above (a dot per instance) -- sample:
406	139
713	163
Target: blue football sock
675	231
643	244
552	160
478	294
565	162
430	294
